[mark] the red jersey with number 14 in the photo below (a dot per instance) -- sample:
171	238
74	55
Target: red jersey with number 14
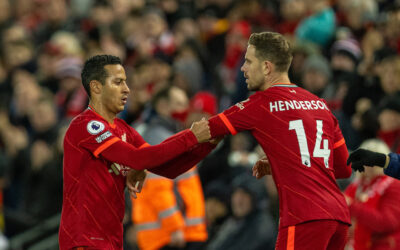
299	135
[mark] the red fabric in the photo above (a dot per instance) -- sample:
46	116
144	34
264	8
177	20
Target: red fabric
307	189
391	138
287	27
93	197
143	158
234	49
204	102
340	156
184	162
321	234
74	105
376	219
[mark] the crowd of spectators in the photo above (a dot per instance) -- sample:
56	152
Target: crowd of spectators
345	51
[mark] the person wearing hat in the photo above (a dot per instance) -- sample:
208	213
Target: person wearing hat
316	76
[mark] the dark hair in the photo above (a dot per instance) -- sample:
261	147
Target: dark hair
94	69
273	47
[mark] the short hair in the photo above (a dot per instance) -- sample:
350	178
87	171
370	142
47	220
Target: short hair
94	69
273	47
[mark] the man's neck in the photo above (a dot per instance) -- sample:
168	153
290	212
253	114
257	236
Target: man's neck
275	79
102	111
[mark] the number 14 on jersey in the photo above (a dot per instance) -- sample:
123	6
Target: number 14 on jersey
321	146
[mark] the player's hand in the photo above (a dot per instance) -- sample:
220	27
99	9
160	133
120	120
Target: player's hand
365	158
177	239
262	168
134	181
201	130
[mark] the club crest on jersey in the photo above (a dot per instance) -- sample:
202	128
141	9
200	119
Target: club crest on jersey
95	127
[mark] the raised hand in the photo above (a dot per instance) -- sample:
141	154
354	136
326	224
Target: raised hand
134	181
362	157
201	130
262	168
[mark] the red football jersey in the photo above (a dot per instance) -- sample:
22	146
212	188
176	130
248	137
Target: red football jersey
93	196
93	200
299	135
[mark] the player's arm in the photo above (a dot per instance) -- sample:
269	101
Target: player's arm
340	154
363	157
184	162
114	149
392	166
152	156
239	117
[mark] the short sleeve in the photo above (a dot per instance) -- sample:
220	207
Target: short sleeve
94	136
241	116
338	136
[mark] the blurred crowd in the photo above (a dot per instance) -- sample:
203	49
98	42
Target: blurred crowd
345	51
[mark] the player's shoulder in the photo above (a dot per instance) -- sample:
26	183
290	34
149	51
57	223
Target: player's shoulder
283	89
125	126
87	121
252	99
121	123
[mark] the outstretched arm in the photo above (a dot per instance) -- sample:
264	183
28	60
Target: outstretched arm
362	157
153	156
184	162
392	166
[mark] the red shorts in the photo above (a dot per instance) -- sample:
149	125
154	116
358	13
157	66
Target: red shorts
318	235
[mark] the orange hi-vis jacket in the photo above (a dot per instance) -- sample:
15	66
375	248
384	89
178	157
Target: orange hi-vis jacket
165	206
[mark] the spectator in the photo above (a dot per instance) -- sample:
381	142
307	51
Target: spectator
217	203
175	208
373	201
42	40
389	120
320	26
316	77
249	227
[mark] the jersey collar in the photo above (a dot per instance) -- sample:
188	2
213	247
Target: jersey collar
112	125
290	85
